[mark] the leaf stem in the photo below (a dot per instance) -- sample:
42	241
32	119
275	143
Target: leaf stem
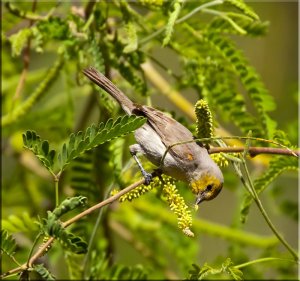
263	260
56	181
182	19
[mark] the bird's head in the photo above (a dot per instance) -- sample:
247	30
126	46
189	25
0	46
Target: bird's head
207	186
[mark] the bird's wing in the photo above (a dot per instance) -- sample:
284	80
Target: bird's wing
170	132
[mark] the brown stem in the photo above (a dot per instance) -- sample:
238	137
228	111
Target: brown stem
253	151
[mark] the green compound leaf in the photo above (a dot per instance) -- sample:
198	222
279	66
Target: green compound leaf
40	148
43	272
96	135
253	28
171	22
8	243
240	5
102	270
132	38
72	243
277	166
20	223
227	267
231	270
255	88
69	204
52	226
19	40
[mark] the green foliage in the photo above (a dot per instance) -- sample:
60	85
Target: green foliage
43	272
239	4
19	40
41	89
277	166
176	7
96	135
21	223
72	243
262	101
82	175
40	148
132	38
53	28
8	243
80	142
227	267
69	204
101	270
53	227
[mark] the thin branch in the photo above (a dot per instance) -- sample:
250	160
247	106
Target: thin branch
254	151
28	15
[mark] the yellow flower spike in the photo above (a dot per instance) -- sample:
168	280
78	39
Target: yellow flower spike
178	207
137	192
175	201
114	191
220	159
205	127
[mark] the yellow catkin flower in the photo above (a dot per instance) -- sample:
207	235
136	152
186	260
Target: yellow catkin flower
204	120
170	192
114	191
178	206
137	192
220	159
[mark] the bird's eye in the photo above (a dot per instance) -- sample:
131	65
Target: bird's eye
209	187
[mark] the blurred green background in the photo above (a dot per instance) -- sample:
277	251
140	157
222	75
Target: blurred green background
26	187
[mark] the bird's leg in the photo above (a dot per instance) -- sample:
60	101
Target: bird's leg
201	144
134	149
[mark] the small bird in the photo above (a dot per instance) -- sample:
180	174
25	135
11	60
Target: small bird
188	162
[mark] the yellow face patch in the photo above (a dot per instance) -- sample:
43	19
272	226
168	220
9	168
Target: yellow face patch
201	184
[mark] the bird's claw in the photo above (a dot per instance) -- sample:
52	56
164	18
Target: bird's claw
148	178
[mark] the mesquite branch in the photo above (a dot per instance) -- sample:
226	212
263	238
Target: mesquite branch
253	151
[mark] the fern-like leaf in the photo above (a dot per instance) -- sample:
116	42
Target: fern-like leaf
251	81
72	242
101	270
19	40
53	227
8	244
96	135
253	28
240	5
43	272
171	22
40	148
227	267
277	166
20	223
132	39
82	177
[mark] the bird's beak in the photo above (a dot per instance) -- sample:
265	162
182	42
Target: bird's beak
199	198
